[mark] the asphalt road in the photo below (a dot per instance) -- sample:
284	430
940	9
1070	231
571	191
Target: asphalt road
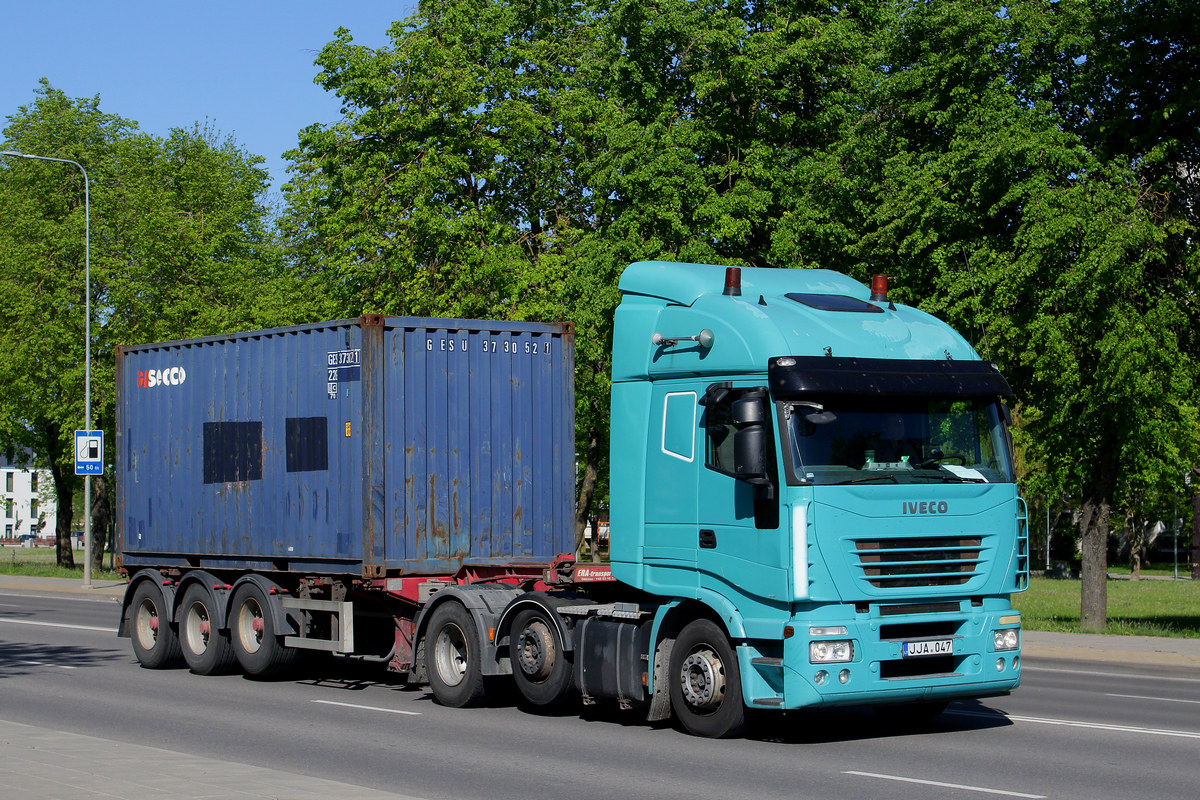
1075	729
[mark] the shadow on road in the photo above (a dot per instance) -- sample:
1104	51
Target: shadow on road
22	658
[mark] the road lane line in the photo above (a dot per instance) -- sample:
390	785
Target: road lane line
1121	675
57	625
1160	699
111	598
945	785
44	664
1070	723
368	708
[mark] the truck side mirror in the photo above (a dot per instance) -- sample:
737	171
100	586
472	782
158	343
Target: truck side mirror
749	414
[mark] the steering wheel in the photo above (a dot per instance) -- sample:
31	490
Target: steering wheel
959	457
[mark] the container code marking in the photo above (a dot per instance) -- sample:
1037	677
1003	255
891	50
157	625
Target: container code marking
342	366
510	346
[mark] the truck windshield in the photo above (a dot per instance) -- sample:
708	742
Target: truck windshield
896	440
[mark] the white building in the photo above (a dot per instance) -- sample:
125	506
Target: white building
27	501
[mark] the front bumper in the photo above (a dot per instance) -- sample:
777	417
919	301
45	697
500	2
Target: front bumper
879	672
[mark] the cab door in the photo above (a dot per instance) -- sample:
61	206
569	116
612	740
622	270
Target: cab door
742	553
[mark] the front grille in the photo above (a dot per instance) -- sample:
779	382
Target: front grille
908	562
918	608
920	630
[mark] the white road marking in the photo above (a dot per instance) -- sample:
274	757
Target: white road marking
945	785
368	708
44	664
1121	675
57	625
1070	723
113	597
1160	699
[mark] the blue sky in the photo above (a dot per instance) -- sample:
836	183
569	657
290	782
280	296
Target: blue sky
246	66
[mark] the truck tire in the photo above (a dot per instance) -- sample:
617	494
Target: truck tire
452	659
706	686
259	648
540	665
205	649
155	644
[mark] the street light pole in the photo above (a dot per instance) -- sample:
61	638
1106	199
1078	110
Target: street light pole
87	349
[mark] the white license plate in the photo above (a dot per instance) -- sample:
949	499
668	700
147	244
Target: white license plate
934	647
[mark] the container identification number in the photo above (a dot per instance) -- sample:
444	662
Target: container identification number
342	366
489	346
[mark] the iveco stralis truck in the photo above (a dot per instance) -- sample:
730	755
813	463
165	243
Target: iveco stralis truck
813	503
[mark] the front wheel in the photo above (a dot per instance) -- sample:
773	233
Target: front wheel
452	658
155	645
706	685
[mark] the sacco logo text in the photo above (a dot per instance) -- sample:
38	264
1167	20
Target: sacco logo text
149	378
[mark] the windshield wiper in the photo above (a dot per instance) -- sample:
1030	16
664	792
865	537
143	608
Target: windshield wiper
869	478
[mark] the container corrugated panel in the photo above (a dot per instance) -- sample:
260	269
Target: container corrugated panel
385	445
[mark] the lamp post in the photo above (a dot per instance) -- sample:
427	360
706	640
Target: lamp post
87	349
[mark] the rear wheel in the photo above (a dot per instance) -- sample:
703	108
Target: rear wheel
256	643
706	686
155	644
205	649
452	658
540	665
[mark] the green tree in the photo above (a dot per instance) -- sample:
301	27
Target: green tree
178	248
508	161
997	213
457	182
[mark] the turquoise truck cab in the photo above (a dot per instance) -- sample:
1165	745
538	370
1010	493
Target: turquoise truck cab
824	473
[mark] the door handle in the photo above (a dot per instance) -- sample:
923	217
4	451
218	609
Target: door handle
708	539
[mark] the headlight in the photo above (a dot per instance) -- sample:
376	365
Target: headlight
831	652
1006	639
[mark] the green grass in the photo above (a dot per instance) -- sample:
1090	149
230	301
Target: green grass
42	562
1135	608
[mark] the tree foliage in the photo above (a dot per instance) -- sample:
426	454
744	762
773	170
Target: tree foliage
178	248
1025	170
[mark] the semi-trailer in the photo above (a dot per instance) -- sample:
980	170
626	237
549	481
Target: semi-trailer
812	503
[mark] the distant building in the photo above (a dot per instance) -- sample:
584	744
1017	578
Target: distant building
27	502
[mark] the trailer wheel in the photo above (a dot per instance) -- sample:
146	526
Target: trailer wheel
706	686
540	666
205	649
452	659
256	644
155	644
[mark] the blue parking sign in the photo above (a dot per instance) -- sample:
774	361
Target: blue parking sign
89	452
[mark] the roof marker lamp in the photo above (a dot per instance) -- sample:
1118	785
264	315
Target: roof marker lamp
879	289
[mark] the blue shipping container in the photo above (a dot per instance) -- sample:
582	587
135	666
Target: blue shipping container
377	446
